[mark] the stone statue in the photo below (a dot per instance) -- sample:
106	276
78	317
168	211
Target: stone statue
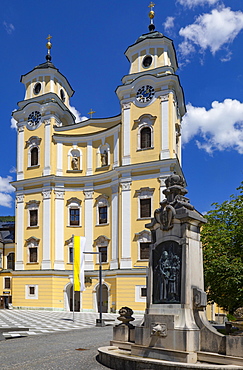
126	316
104	158
75	163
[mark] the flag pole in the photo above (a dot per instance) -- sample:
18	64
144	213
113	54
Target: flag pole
73	275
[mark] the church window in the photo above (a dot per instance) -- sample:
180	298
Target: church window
103	215
34	156
147	61
102	209
33	254
37	88
33	217
74	216
143	292
145	208
70	257
143	239
145	138
145	197
62	94
74	212
144	251
7	283
101	244
103	251
10	261
31	291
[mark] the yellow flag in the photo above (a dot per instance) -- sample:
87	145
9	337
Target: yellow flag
78	268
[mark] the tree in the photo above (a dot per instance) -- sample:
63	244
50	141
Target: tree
222	239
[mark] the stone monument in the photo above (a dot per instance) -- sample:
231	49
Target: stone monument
175	327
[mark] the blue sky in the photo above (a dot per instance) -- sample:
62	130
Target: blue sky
89	40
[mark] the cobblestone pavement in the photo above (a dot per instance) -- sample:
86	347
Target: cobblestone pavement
44	322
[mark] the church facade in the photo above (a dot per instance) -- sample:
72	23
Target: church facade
99	178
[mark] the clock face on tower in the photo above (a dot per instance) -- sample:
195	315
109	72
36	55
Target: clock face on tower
34	118
145	93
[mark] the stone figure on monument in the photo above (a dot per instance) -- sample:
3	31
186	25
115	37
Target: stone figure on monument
75	163
104	158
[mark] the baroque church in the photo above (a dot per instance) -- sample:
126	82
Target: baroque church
99	178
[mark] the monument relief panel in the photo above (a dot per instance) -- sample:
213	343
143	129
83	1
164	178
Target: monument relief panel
167	273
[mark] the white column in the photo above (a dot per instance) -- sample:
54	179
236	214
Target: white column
88	227
116	150
19	264
165	152
59	230
114	228
46	222
166	59
20	153
126	261
47	148
59	171
89	170
126	134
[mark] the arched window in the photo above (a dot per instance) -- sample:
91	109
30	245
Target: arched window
145	136
34	156
74	212
102	209
10	261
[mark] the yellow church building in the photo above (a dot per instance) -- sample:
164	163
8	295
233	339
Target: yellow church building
101	178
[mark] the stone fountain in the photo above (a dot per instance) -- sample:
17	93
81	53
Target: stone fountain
175	331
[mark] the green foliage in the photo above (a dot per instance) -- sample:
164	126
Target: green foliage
7	218
222	239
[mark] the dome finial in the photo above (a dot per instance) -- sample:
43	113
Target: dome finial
48	46
151	17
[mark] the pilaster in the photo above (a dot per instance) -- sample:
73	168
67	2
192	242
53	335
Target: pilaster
88	227
20	153
126	261
89	170
46	222
59	230
165	151
126	159
47	148
114	228
19	264
59	171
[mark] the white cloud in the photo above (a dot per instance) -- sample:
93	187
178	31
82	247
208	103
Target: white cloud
5	189
9	27
219	128
78	116
212	30
169	23
193	3
13	123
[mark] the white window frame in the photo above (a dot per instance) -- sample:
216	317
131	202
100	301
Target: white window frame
33	205
77	152
27	291
138	296
32	242
102	201
142	237
101	241
33	142
74	203
69	244
146	120
145	193
4	284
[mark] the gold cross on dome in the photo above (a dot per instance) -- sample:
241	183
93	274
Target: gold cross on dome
91	112
151	5
49	37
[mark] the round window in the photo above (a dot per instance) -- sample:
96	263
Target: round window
147	61
62	94
37	88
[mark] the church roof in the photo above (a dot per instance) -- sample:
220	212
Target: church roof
149	35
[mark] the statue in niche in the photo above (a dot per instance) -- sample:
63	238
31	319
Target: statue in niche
167	278
104	158
74	163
